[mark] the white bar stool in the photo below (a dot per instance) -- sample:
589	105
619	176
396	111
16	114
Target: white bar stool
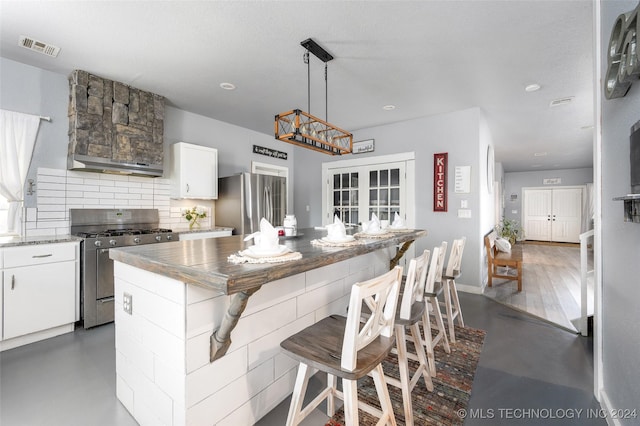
408	316
431	291
346	348
451	300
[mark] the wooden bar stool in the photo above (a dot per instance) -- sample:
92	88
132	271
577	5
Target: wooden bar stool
408	316
346	348
451	301
432	289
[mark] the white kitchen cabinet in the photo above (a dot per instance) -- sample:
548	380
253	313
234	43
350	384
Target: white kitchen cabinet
184	236
39	286
193	171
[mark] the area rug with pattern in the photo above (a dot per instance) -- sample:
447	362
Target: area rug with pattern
452	385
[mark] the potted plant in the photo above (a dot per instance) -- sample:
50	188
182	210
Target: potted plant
510	230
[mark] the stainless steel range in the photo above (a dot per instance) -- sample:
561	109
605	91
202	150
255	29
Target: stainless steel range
101	230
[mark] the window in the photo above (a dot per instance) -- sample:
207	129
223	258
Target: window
4	215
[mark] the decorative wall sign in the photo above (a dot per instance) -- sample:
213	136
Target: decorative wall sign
363	146
551	181
623	55
463	179
440	182
269	152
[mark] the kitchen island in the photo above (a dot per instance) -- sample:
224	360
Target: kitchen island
200	344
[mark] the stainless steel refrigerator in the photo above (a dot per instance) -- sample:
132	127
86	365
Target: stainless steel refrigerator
245	198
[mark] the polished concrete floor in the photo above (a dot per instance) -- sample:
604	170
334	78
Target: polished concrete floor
529	373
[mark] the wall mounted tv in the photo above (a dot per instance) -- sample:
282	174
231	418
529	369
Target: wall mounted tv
635	158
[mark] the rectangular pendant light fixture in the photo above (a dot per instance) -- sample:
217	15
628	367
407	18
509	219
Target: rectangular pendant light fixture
303	129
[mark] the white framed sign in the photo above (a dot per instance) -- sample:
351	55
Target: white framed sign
463	179
363	146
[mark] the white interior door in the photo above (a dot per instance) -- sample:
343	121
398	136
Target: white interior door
537	214
566	216
552	214
358	192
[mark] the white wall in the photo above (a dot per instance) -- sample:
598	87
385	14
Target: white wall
32	90
464	136
35	91
620	240
515	181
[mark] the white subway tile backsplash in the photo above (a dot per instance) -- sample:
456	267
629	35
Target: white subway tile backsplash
103	195
51	179
141	191
51	200
95	181
72	195
49	208
51	215
90	203
82	187
51	186
117	189
74	181
31	214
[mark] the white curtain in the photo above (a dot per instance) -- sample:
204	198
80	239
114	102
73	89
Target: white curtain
587	208
17	137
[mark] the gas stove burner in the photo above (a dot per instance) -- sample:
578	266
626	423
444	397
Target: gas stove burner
122	232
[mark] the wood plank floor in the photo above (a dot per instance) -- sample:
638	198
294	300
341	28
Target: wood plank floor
550	286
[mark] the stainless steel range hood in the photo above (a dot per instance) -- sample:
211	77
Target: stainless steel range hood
106	165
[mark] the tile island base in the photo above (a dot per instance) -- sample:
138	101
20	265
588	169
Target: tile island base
164	375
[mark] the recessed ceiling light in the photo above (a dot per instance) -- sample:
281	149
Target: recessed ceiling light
539	154
389	107
536	165
532	87
228	86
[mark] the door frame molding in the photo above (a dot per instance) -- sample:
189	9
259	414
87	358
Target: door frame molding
407	157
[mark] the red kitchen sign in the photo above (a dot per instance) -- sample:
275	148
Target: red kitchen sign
440	182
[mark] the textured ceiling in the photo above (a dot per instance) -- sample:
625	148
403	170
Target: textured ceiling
426	58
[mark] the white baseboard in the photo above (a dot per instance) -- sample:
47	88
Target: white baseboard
470	288
34	337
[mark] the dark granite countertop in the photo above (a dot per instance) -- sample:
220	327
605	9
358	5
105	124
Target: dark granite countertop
204	262
23	241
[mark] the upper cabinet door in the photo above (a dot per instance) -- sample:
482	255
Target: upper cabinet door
194	171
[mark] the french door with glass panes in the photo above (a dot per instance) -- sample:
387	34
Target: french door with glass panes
357	192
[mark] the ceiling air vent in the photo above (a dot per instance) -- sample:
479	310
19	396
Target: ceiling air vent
38	46
561	101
